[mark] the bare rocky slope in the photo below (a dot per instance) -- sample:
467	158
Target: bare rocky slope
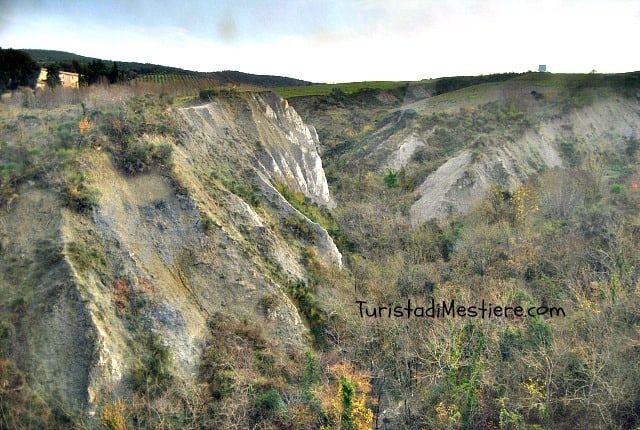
601	128
162	254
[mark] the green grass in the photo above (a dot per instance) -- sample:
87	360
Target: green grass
473	94
347	88
316	213
548	80
579	81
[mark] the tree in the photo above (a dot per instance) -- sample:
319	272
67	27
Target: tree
17	69
53	76
114	74
96	70
346	408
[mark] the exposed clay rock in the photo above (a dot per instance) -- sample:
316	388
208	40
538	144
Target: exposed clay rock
269	137
88	290
407	148
299	160
456	184
288	147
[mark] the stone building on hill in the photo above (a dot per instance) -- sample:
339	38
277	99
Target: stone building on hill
67	79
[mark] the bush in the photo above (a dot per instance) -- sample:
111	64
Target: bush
539	332
300	227
208	95
569	150
206	222
20	406
78	195
112	415
510	341
391	178
617	189
537	96
141	157
267	405
317	214
85	257
152	376
311	310
239	189
633	145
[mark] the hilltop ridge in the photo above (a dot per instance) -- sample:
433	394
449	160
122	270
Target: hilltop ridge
137	70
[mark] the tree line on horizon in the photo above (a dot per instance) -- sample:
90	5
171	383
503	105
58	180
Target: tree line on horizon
19	69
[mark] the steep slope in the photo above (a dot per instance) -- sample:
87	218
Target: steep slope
451	148
48	326
598	129
91	298
265	119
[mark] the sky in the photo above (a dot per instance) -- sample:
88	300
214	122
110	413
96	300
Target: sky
337	40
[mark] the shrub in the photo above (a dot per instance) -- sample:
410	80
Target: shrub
617	189
86	257
390	178
112	415
539	332
269	302
152	376
300	228
633	145
536	95
78	195
311	310
317	214
20	407
7	331
208	95
163	153
241	190
510	341
66	134
344	401
139	157
206	222
311	374
267	405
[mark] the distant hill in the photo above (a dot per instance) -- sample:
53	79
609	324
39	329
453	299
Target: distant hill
133	69
258	80
46	56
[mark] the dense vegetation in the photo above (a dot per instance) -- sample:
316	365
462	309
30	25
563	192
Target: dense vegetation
17	69
565	238
445	85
